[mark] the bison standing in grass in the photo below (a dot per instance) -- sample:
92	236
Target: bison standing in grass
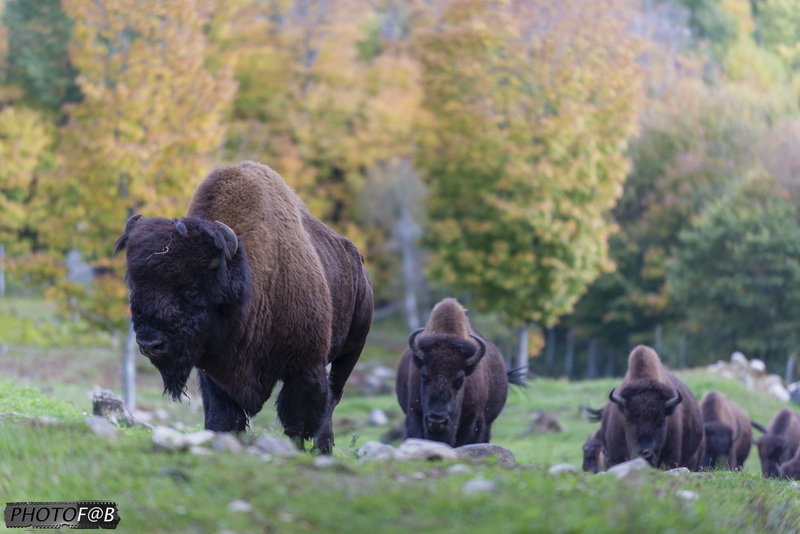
451	383
652	414
249	289
780	442
727	431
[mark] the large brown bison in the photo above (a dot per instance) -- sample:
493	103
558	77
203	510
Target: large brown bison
780	442
451	383
728	434
653	415
249	289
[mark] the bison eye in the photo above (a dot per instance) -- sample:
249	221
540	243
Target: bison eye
425	377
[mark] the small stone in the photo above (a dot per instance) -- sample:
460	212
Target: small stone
423	449
226	442
459	469
198	438
378	417
479	451
276	446
625	469
324	462
477	486
167	438
240	505
375	450
687	495
100	426
678	471
197	450
559	469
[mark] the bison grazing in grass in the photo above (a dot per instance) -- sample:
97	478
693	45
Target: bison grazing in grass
249	289
594	453
451	383
780	442
652	414
727	431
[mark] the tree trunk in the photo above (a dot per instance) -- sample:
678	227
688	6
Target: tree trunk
682	351
569	357
550	348
407	233
521	361
591	371
609	371
129	368
658	345
790	369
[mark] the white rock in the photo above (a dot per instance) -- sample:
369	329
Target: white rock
197	450
795	485
378	417
240	505
478	485
678	471
276	446
737	358
484	451
779	392
226	442
324	462
687	495
423	449
625	468
167	438
459	469
758	365
100	426
198	438
375	450
558	469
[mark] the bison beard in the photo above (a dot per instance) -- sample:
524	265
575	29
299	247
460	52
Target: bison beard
270	294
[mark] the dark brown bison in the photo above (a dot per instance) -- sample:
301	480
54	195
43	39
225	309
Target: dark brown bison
249	289
728	434
779	443
594	453
791	468
652	414
451	383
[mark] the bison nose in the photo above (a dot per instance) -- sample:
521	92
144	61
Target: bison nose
648	455
436	422
151	344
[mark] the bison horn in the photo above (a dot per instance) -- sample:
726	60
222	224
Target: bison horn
230	238
412	343
479	352
674	401
120	244
616	399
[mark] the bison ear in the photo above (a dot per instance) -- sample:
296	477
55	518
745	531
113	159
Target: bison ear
119	246
417	355
672	403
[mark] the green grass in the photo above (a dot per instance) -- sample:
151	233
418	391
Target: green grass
158	491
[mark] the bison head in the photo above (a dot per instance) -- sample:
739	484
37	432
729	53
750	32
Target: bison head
645	408
773	450
443	363
719	441
594	456
187	279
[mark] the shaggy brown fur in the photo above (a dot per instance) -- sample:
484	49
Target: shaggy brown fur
292	297
780	443
728	434
444	397
652	415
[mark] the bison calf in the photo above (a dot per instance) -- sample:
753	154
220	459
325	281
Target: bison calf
780	442
451	383
249	289
727	431
594	453
652	415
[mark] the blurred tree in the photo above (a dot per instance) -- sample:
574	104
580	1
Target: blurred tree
531	105
736	273
38	59
140	140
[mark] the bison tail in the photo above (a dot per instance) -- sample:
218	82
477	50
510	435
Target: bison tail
517	376
759	427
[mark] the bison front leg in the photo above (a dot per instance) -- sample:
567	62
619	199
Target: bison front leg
222	413
303	408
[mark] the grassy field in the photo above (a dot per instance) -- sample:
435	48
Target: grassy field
42	459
